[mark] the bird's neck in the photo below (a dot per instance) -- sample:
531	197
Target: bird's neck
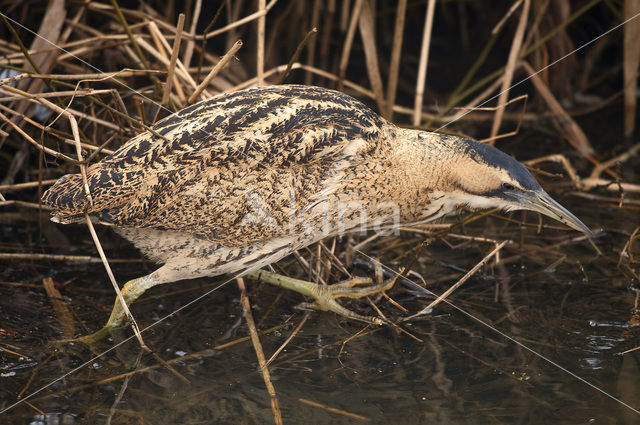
425	160
422	162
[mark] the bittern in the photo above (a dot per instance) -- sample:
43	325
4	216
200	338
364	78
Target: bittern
243	179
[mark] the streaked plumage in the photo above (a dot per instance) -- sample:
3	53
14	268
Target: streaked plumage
246	178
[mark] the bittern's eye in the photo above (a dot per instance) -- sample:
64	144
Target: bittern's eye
508	186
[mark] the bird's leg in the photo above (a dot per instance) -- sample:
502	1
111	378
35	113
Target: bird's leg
130	292
325	295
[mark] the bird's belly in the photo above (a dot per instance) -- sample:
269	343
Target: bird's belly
192	256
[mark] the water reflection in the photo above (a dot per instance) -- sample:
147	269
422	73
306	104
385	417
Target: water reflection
450	369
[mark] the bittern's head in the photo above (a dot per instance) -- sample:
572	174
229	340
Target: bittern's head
485	177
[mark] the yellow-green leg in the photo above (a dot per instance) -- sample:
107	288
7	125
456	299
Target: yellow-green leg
130	292
325	295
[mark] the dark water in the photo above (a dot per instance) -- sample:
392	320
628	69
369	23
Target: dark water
556	296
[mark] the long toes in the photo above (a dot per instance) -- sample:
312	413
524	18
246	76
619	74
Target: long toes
308	307
95	337
354	281
335	307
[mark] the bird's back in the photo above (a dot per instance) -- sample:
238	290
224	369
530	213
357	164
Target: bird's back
223	158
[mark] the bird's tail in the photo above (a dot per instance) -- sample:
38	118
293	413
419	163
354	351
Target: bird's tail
68	199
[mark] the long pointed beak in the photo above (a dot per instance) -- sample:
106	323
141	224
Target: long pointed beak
541	202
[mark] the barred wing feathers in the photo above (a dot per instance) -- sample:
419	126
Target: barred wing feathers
223	158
